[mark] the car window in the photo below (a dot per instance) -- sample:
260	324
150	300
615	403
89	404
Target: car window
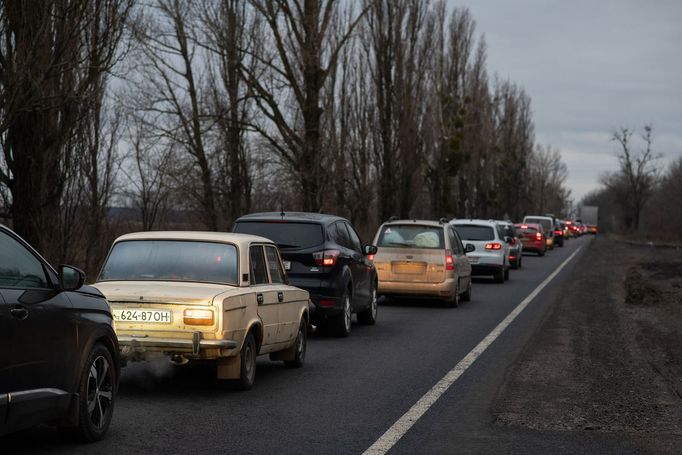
286	234
456	242
340	235
546	223
475	232
171	260
19	268
354	238
411	236
259	273
274	265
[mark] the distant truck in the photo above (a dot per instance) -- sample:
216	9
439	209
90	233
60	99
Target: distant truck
589	214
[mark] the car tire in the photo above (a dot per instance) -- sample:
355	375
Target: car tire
96	396
247	367
466	296
520	262
341	325
300	347
506	274
369	316
541	253
499	276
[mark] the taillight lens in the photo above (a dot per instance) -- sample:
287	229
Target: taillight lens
326	258
493	246
370	257
538	236
197	317
557	232
449	261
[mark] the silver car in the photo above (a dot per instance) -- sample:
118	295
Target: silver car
491	254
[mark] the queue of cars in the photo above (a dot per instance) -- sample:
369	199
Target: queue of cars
223	299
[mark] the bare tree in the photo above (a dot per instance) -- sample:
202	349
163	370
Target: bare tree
54	58
637	176
306	38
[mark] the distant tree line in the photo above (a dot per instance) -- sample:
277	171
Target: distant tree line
192	113
641	196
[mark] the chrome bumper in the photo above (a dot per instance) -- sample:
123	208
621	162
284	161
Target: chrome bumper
134	343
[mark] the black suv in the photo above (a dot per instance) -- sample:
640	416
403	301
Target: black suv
59	359
323	255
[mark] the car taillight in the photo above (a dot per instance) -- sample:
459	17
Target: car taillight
197	317
326	258
557	232
538	236
449	261
493	246
370	257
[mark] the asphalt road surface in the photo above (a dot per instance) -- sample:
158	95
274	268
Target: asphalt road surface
351	391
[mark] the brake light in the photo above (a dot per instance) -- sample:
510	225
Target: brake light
558	232
538	236
449	261
197	317
326	258
493	246
523	226
370	257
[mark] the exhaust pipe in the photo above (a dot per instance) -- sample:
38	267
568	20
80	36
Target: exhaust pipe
178	360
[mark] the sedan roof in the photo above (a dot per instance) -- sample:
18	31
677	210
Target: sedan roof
221	237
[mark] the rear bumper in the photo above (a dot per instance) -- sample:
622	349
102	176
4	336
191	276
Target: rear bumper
534	246
133	345
486	269
325	295
445	289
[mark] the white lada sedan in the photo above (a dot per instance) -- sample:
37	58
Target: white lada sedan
194	296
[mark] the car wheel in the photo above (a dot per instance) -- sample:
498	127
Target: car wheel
342	323
247	368
541	253
499	276
519	262
369	316
96	396
466	296
506	274
300	347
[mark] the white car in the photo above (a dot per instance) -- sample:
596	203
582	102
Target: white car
204	296
491	254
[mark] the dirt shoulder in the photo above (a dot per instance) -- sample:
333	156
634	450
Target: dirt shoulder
608	358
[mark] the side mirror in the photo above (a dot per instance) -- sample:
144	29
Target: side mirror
370	249
507	239
469	248
70	278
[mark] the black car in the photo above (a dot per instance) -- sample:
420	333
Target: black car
59	360
323	255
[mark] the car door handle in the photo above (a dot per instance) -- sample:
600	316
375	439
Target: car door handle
259	298
19	312
280	296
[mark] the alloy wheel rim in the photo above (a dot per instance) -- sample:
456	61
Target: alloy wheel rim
301	342
346	314
99	392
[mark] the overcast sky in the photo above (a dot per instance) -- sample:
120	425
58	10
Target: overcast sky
590	67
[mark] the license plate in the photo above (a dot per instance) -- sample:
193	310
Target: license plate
473	260
146	316
287	265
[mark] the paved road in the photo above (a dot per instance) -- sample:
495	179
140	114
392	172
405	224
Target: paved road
351	390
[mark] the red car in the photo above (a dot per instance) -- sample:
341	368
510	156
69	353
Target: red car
532	237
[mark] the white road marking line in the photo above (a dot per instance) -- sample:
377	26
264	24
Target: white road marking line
403	425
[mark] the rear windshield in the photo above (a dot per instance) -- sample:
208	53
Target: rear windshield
411	236
285	234
545	223
473	232
525	231
171	260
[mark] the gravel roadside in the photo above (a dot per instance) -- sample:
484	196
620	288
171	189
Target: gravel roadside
608	357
